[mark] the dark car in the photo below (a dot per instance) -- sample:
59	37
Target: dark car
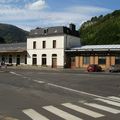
94	68
114	68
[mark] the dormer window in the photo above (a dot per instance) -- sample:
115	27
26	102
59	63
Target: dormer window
45	31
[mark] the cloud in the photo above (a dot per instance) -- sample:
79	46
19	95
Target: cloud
8	1
37	5
87	9
33	14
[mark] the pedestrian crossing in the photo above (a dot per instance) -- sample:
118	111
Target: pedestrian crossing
83	110
99	108
34	115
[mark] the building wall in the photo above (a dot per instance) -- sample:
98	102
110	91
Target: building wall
71	41
14	58
49	50
59	52
110	60
59	39
62	42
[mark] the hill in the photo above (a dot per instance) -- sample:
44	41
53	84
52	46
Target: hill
12	34
101	30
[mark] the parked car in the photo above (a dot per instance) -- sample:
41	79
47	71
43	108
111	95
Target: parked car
94	68
114	68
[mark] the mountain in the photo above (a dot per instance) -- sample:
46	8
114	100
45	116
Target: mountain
12	34
101	30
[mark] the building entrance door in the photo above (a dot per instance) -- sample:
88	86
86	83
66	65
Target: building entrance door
54	61
18	60
34	61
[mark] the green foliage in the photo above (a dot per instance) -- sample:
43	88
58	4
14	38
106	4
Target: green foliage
101	30
12	34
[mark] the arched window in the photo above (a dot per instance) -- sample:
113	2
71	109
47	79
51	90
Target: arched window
44	59
34	55
34	59
54	55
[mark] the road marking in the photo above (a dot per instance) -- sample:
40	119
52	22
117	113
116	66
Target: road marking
101	107
25	77
68	89
76	91
15	74
61	113
83	110
109	102
34	115
114	98
38	81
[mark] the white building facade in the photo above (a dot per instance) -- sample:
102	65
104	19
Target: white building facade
46	47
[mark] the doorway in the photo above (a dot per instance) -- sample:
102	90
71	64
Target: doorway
18	60
54	61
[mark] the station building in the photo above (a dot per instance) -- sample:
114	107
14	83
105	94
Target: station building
103	55
13	54
58	47
46	46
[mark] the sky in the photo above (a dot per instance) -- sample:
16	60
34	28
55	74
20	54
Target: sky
29	14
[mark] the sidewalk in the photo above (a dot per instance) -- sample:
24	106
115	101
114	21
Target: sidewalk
47	68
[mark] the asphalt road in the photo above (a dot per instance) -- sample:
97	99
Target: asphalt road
59	95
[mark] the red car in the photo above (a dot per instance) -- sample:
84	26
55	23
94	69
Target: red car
94	68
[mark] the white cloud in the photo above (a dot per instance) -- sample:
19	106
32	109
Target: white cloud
88	9
8	1
38	5
32	15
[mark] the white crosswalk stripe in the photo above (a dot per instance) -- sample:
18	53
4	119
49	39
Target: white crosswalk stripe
34	115
61	113
114	98
109	102
83	110
104	108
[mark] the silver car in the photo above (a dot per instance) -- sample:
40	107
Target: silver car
114	68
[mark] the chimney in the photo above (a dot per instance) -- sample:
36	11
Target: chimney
72	27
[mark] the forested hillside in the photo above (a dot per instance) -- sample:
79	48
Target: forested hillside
101	30
12	34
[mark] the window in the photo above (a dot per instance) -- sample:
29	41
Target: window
10	58
54	43
117	60
45	31
44	44
34	61
102	60
86	60
34	44
44	59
